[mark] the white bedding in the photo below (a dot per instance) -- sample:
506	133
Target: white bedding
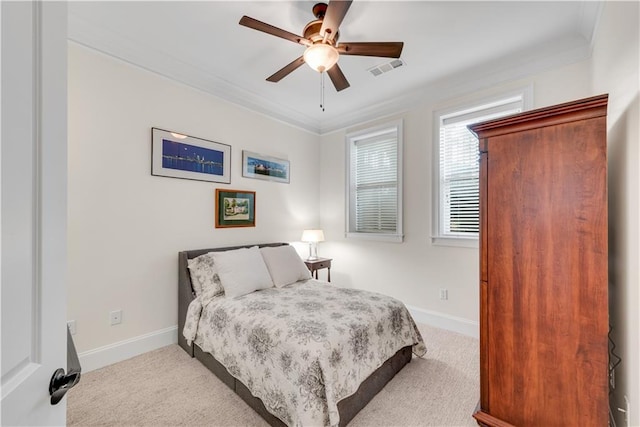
304	347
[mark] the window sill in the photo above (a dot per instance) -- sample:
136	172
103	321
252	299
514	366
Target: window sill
393	238
459	242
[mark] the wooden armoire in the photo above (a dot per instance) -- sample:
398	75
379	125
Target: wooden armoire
543	267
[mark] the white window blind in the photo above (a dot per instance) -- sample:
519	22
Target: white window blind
458	190
376	171
459	180
374	205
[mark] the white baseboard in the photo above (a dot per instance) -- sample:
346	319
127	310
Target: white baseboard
109	354
122	350
445	321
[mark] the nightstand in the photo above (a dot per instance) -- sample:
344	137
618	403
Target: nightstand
318	264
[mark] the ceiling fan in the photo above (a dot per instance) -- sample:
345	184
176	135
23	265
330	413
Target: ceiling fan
320	36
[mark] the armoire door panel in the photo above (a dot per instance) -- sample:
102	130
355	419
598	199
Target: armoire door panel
546	263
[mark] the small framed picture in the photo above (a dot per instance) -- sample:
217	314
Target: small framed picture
259	166
181	156
235	208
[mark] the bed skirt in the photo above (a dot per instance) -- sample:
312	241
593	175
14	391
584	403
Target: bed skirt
347	407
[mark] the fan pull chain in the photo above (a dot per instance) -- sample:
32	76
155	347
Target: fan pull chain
322	91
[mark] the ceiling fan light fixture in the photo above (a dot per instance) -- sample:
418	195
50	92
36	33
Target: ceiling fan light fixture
321	56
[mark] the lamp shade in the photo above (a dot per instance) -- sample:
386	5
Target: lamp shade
321	57
312	236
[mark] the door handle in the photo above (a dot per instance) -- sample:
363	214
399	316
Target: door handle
60	382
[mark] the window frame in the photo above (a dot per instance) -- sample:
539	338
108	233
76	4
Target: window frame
470	108
350	140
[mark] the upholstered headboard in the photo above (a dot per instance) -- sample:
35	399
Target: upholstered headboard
185	288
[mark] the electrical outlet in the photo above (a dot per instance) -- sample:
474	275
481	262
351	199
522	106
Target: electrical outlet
115	317
71	324
444	294
625	411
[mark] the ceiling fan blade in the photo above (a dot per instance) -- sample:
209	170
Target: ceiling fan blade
274	31
336	10
383	49
286	70
337	78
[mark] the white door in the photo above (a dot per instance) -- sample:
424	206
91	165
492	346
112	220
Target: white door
33	216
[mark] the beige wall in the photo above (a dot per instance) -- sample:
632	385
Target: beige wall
126	226
615	64
415	270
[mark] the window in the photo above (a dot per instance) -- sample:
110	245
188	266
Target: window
374	184
456	190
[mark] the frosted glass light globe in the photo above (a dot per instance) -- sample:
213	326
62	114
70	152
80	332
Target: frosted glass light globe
321	57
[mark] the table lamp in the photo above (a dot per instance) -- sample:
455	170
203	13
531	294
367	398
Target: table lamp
313	237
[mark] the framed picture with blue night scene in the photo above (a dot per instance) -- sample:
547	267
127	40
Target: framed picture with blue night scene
182	156
259	166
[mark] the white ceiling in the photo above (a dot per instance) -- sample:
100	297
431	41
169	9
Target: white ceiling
449	46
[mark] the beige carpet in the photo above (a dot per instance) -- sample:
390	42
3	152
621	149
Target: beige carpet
167	387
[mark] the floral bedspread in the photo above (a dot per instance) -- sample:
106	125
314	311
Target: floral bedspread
303	348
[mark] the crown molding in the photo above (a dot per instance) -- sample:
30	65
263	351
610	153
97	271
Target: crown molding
557	53
536	59
590	12
145	57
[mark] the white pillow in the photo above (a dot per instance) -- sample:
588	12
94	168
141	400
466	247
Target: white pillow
204	277
242	271
285	265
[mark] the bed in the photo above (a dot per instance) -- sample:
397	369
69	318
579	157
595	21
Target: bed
304	353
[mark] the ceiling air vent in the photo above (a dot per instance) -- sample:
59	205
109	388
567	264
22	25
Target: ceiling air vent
386	67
